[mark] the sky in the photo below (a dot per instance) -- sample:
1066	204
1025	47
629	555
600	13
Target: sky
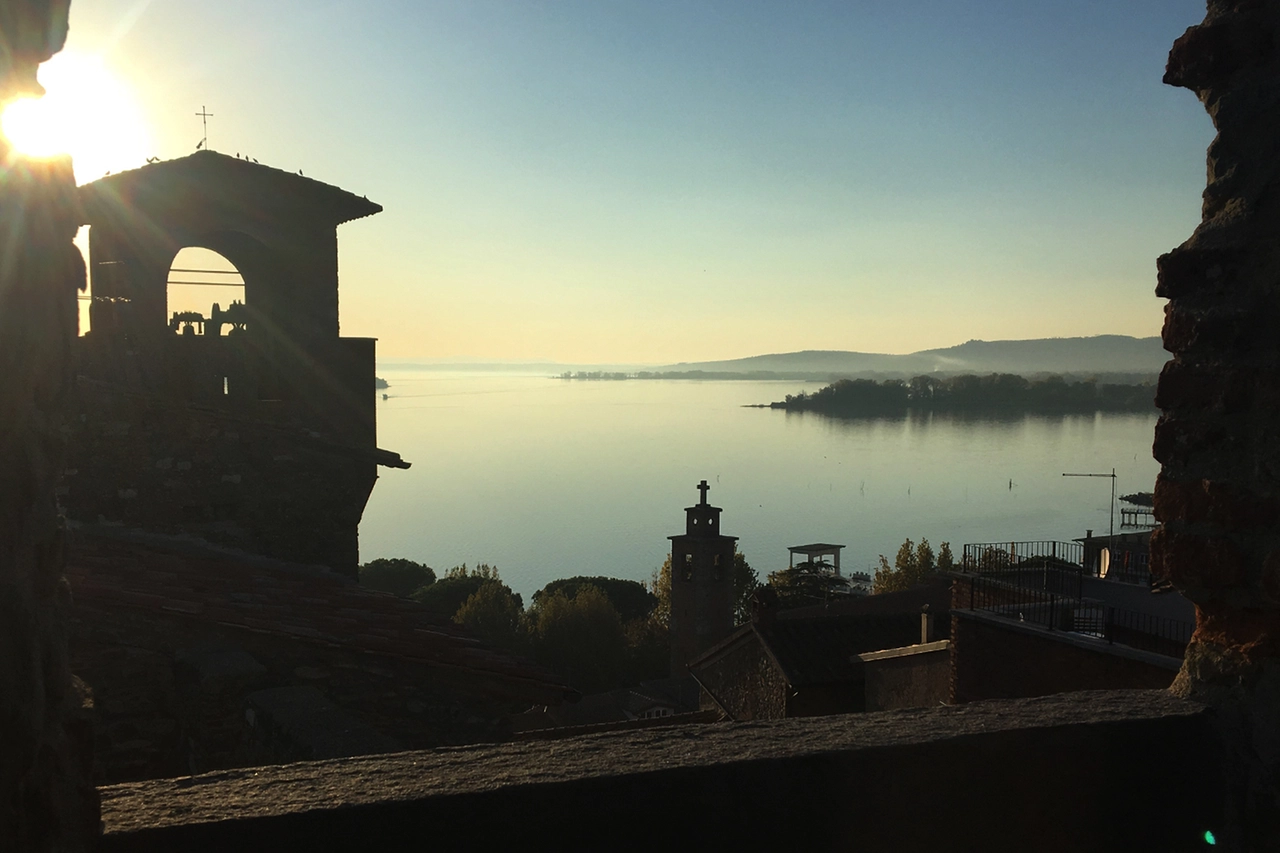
653	182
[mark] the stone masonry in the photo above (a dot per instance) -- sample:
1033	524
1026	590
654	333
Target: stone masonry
1218	440
46	799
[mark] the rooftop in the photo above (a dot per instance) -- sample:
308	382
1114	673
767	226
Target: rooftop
216	178
309	604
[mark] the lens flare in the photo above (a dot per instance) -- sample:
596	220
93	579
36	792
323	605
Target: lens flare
88	112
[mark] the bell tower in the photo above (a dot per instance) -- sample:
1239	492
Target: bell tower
701	583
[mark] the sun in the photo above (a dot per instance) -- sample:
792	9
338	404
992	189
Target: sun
88	112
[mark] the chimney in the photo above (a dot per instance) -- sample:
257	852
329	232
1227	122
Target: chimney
1088	533
926	625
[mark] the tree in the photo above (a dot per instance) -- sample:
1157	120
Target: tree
445	596
580	637
912	566
660	586
745	583
494	614
807	583
946	561
396	575
630	598
648	651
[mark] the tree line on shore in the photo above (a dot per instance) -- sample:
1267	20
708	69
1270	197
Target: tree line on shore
601	632
994	392
597	632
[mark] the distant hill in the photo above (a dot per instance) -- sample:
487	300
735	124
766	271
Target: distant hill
1097	354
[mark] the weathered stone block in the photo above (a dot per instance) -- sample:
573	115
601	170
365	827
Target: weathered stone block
1179	437
1184	271
1225	505
1194	561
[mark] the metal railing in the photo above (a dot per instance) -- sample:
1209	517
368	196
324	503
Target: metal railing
1126	565
992	556
1057	611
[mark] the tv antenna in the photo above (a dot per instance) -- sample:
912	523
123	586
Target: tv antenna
1111	536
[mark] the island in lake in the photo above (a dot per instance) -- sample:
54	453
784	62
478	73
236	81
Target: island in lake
1001	392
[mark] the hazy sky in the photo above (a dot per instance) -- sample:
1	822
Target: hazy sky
660	181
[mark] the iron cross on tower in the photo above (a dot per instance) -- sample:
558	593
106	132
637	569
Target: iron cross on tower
704	488
204	122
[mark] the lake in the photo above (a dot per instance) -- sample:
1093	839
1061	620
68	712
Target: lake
548	478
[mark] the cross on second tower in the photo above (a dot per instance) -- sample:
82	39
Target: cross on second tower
704	488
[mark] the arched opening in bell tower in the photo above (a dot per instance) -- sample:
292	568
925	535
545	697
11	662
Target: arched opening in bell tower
205	294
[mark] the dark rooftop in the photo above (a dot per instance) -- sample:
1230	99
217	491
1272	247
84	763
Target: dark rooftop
816	548
308	604
216	178
821	649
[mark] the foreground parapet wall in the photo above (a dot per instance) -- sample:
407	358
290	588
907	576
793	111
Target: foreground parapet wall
1218	494
1124	770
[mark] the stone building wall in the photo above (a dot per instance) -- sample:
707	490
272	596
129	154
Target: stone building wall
746	683
47	801
265	488
908	678
1218	442
990	660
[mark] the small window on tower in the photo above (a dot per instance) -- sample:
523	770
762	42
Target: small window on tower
687	570
717	571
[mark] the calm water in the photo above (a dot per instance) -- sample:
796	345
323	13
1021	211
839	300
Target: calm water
547	478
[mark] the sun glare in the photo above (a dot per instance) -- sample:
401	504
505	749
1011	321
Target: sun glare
87	112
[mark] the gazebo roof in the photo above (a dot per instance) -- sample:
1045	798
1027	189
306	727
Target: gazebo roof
816	548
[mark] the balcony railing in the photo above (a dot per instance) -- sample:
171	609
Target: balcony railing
1004	594
993	556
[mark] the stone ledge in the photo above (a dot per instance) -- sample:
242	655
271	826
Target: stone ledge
1094	770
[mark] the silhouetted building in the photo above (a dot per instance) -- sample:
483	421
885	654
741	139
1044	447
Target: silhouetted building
262	438
1121	557
779	666
701	583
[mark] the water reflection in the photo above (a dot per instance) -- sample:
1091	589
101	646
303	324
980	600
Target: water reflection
549	478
